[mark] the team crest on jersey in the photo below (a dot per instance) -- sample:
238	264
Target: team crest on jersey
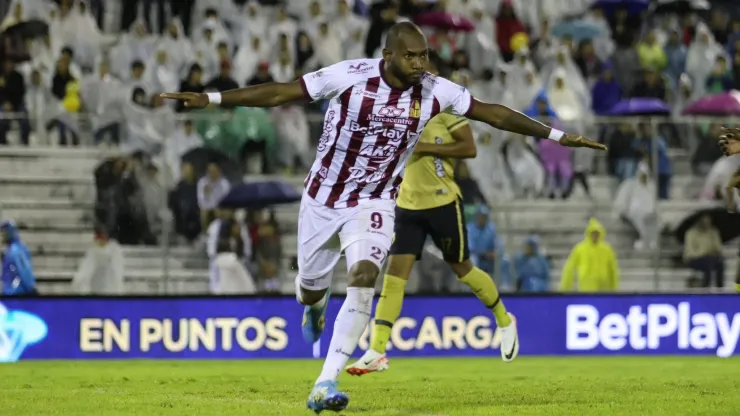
415	111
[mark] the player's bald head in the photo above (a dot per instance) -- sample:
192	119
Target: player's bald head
405	53
405	35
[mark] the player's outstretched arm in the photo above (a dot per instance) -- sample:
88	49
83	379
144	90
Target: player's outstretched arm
271	94
504	118
462	148
732	185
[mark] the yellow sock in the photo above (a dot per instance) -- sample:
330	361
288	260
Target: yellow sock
486	291
387	311
737	287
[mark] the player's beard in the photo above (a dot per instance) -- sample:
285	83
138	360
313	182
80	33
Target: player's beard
407	81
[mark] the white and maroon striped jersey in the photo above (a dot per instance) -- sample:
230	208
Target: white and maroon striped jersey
371	129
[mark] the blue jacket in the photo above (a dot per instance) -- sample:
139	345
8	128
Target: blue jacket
481	241
533	272
17	277
605	95
664	162
534	111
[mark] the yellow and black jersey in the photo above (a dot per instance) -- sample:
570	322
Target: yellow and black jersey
429	181
429	200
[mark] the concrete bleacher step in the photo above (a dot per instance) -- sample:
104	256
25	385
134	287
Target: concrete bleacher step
141	274
57	238
135	286
48	217
35	187
51	160
57	262
180	252
644	280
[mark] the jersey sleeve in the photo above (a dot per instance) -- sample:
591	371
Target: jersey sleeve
453	98
453	123
325	83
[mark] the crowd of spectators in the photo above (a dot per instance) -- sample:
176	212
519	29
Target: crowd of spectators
115	74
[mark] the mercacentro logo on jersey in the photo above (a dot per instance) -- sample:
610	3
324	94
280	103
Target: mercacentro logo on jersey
360	68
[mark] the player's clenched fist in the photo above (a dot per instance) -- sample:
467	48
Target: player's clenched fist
729	141
190	99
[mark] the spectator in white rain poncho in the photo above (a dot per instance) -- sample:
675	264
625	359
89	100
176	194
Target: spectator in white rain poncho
89	39
563	98
525	88
481	47
103	97
101	271
135	45
527	172
205	53
248	57
635	202
181	54
564	67
292	128
489	167
182	140
283	25
161	72
702	54
147	123
253	21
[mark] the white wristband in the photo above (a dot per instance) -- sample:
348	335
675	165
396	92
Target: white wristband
556	135
215	98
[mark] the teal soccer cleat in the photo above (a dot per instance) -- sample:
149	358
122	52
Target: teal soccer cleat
325	396
314	321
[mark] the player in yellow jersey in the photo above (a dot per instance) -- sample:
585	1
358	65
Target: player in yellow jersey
429	205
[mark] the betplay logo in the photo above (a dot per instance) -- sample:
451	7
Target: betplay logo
586	330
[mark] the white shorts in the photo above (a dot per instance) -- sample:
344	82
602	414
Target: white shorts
364	232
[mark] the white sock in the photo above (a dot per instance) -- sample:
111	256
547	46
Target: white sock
351	322
317	305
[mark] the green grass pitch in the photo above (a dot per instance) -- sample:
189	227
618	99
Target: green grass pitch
431	387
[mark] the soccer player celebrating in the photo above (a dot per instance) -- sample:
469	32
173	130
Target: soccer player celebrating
729	141
429	204
378	109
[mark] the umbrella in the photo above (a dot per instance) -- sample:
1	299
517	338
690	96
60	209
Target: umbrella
632	6
640	107
727	224
578	30
29	29
444	20
201	157
679	6
722	104
260	194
